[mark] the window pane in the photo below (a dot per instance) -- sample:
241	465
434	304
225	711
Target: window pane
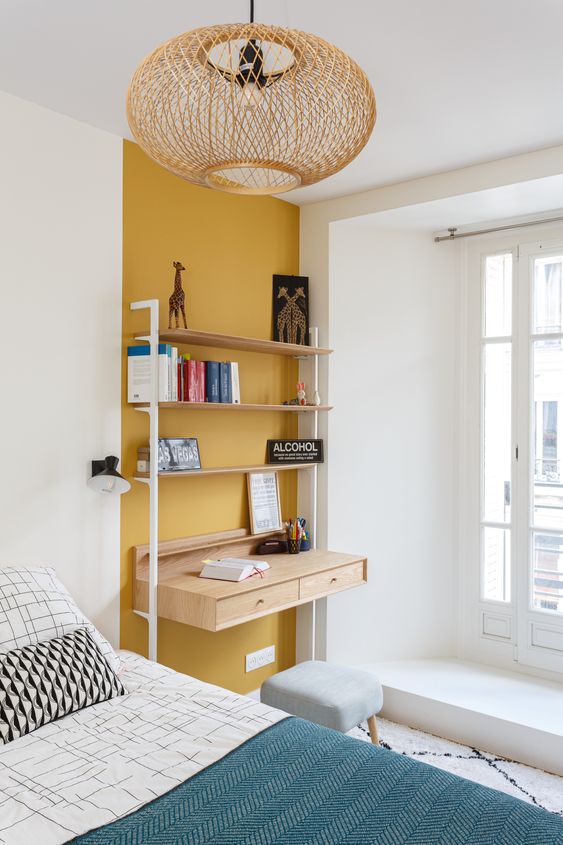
547	436
548	280
497	432
550	430
495	555
498	295
548	573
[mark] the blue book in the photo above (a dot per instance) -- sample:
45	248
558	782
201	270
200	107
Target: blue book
133	351
225	389
212	389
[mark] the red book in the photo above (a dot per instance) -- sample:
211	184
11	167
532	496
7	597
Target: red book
191	381
200	366
185	396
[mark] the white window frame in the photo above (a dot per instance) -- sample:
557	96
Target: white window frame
498	633
485	341
527	616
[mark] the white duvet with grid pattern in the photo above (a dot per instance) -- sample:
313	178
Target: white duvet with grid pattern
104	762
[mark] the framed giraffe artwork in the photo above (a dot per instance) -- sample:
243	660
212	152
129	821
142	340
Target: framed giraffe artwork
291	309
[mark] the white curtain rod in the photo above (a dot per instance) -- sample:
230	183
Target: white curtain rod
453	236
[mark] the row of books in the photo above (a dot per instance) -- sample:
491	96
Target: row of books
180	377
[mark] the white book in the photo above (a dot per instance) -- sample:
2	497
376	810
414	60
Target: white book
139	373
169	375
164	374
174	375
232	568
235	383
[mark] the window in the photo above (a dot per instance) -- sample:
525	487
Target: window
547	295
547	393
496	428
547	468
515	315
548	572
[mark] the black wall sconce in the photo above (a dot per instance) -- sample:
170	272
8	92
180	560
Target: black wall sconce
106	479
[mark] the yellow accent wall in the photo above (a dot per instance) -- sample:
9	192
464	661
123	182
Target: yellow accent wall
231	246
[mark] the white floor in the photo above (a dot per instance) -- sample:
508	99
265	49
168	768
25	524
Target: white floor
528	784
507	713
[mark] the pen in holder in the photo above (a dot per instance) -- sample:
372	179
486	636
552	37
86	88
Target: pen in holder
296	535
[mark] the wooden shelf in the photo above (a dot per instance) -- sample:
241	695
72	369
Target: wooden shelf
227	470
229	406
227	341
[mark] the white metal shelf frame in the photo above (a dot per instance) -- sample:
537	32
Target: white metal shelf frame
152	410
153	339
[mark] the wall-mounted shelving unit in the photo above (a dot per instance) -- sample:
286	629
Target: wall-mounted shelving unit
143	476
189	337
231	406
231	341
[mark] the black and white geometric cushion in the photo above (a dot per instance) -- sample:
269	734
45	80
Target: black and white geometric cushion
35	606
45	681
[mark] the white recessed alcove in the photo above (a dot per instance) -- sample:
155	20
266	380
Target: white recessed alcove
394	484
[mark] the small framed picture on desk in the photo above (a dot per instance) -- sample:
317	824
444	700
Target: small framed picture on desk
264	502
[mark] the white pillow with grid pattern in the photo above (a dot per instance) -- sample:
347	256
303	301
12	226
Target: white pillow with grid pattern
35	606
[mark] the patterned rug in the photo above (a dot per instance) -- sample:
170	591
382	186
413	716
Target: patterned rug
532	785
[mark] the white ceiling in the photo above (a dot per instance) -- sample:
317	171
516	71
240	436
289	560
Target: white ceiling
536	199
456	83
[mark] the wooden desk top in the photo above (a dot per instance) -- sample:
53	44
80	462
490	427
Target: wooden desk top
213	605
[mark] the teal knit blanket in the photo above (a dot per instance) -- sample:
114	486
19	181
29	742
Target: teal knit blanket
300	784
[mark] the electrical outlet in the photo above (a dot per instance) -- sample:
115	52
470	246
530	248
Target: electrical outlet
260	658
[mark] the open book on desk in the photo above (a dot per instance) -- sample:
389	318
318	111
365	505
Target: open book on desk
232	569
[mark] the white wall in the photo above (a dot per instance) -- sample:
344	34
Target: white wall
60	339
391	468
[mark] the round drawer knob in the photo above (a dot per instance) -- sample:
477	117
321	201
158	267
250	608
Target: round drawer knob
333	580
260	601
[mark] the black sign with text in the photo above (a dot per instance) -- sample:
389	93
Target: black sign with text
301	451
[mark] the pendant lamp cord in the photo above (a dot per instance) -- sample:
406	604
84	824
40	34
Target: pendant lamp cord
251	11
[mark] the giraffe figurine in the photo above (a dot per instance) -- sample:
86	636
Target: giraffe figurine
177	300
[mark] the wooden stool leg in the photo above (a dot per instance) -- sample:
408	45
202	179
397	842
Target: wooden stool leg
372	725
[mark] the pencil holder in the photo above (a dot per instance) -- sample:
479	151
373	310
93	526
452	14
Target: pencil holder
293	546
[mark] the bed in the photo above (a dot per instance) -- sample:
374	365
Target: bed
94	766
99	748
176	760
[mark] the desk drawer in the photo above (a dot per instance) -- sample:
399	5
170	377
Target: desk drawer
239	608
331	581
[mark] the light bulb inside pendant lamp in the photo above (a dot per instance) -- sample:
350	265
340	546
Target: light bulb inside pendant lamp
250	75
250	108
250	96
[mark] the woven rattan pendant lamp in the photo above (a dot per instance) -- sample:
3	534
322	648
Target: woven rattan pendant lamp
249	108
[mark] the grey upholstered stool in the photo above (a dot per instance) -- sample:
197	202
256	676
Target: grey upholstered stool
334	696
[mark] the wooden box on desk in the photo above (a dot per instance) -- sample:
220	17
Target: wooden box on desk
214	605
